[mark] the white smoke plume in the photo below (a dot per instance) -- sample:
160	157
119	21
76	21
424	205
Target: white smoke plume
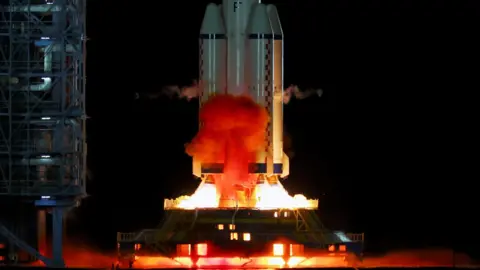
192	91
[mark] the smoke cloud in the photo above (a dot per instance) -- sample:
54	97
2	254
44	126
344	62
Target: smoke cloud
232	131
192	91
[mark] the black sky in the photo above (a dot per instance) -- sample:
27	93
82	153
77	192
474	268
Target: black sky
370	148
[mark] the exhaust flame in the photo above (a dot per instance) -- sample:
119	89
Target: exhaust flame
232	131
267	197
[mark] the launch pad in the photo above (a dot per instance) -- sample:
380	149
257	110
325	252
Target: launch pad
238	237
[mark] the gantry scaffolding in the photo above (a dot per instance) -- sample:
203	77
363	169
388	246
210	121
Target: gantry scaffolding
42	119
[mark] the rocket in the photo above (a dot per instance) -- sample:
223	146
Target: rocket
241	52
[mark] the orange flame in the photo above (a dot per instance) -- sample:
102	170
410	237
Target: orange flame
267	196
232	132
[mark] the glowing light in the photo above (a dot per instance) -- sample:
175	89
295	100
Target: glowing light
246	237
233	236
278	250
202	249
220	227
204	197
184	249
343	237
296	249
317	260
268	197
231	227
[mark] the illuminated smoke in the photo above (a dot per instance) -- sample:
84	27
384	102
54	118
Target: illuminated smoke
232	131
294	91
188	92
192	91
77	253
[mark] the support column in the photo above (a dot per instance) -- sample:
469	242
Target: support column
57	239
65	213
42	231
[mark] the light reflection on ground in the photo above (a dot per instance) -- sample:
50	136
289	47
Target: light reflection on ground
84	257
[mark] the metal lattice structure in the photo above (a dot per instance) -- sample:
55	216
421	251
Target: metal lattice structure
42	100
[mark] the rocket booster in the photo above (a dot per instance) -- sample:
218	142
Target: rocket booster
241	52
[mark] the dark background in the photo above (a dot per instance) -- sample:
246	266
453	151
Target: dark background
372	149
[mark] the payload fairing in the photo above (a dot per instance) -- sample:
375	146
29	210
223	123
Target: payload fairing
241	52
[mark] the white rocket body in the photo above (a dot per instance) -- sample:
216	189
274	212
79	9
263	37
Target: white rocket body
241	52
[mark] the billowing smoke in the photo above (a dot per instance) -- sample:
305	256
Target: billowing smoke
192	91
232	131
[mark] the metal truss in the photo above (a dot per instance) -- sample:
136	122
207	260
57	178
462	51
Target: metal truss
42	109
42	97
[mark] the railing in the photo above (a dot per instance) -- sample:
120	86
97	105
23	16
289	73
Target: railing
356	237
125	237
147	236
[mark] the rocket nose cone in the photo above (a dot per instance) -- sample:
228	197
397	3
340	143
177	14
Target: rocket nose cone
274	20
259	23
212	21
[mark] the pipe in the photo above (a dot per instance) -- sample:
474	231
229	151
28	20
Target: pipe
46	85
47	67
37	8
48	7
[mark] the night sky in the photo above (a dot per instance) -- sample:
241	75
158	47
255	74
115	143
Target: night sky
369	148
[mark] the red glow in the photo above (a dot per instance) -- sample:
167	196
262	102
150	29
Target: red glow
202	249
80	255
232	131
87	257
420	258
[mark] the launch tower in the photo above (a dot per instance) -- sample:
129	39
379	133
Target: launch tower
42	124
260	225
